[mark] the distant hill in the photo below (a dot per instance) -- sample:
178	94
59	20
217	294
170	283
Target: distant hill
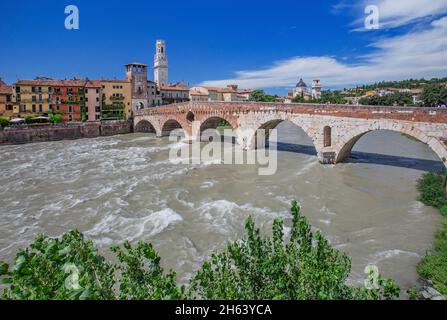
405	84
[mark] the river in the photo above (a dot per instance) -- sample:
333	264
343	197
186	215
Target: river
125	188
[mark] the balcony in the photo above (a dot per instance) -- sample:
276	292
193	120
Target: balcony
117	98
113	107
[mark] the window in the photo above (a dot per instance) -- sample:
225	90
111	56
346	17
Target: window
70	118
33	98
40	108
40	98
39	89
97	99
33	89
70	109
98	109
97	91
22	108
57	108
327	137
34	108
17	89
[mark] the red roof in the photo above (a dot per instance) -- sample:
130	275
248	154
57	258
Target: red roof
169	88
4	88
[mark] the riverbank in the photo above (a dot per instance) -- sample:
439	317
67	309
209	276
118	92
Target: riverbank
28	134
433	267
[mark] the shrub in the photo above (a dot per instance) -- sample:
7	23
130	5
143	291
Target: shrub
432	189
4	122
257	267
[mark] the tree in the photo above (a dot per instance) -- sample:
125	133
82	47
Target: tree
4	122
261	96
397	98
55	118
434	95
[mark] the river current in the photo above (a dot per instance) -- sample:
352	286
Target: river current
125	188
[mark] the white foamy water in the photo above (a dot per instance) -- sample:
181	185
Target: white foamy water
125	188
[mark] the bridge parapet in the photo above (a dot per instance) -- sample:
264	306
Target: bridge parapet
420	114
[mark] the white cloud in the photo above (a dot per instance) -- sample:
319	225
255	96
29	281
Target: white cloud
413	55
396	13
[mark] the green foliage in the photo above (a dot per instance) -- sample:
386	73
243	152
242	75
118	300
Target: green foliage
434	265
398	98
256	267
432	190
405	84
332	97
434	95
4	122
67	268
142	276
261	96
55	118
28	119
261	267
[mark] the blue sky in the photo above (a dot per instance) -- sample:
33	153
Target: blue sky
256	44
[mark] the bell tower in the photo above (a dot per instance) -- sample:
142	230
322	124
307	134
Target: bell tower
161	64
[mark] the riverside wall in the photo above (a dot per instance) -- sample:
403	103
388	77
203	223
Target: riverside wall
22	135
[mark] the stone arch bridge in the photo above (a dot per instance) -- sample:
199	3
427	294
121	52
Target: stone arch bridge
334	129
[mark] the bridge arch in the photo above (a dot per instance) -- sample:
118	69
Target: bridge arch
273	124
214	122
347	143
171	125
145	126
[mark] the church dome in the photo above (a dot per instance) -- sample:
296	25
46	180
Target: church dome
301	84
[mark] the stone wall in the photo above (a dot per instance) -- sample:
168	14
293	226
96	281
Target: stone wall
65	132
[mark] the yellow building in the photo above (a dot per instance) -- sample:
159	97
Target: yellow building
116	99
31	97
6	107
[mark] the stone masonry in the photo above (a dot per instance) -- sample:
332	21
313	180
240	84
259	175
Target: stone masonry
334	129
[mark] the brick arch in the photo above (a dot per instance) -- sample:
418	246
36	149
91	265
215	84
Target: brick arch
172	123
146	126
275	121
207	117
345	145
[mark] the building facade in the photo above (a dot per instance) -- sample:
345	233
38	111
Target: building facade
117	99
229	94
93	100
153	94
173	94
6	106
67	97
31	97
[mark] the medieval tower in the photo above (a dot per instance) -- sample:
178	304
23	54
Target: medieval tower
161	64
136	74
